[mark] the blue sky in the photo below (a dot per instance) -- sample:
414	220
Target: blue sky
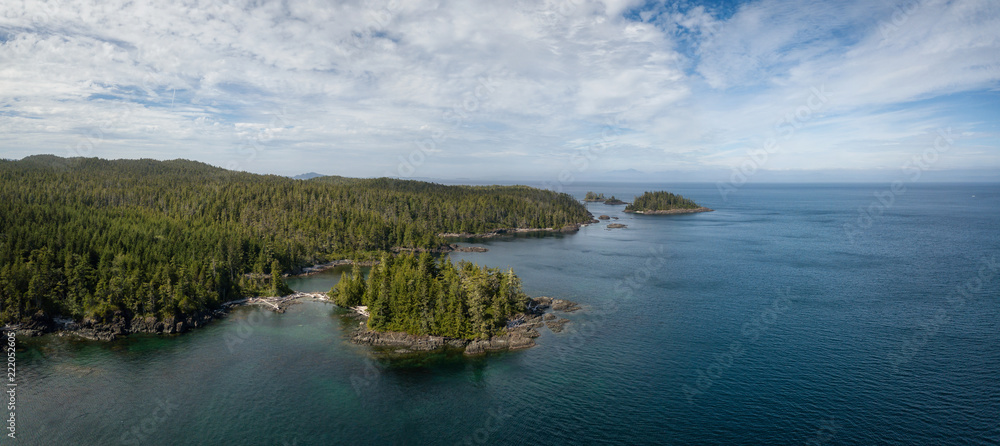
509	90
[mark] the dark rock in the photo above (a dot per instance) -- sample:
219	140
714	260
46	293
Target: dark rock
565	305
603	217
510	341
557	325
616	226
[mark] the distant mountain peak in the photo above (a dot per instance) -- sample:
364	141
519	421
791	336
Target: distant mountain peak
306	176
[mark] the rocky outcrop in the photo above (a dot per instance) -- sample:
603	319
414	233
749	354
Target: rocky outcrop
565	305
557	324
405	342
519	334
118	323
453	247
510	341
616	226
671	211
604	217
37	325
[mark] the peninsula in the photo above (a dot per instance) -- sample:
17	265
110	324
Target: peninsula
112	247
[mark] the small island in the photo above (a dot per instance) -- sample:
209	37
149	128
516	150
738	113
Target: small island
614	201
415	303
592	197
663	203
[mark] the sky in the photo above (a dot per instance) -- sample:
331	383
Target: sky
554	90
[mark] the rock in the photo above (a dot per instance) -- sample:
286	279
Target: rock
404	341
511	341
557	325
38	324
541	302
614	218
565	305
616	226
550	316
603	217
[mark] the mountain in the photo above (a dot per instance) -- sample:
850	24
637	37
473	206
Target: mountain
307	176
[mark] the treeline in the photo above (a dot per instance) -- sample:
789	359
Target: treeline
85	237
593	196
660	201
422	297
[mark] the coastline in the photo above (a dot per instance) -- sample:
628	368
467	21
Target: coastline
512	231
519	334
670	211
124	324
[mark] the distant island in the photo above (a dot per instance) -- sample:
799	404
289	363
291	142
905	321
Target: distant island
107	248
592	197
663	203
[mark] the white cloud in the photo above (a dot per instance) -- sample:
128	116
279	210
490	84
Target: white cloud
489	88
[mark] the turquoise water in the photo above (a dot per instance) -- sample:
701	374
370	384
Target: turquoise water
767	321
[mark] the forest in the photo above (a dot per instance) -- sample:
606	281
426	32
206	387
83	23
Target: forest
421	296
84	237
660	201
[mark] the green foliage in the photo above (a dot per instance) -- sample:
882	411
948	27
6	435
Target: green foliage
591	196
85	237
660	201
420	296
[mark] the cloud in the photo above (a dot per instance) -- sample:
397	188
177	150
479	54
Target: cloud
497	89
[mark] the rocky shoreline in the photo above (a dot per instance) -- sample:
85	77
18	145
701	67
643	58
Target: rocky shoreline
122	323
512	231
320	267
453	247
519	334
671	211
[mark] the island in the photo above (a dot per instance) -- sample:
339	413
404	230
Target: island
416	303
593	197
106	248
663	203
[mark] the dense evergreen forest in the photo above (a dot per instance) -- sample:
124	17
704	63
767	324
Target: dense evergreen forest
83	237
420	296
660	201
593	196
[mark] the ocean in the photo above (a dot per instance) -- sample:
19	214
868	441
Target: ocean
793	314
